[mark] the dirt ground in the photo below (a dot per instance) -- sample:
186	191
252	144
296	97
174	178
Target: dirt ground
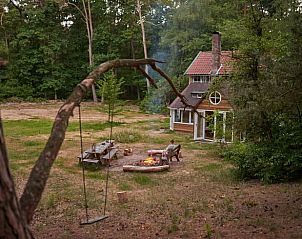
197	198
48	110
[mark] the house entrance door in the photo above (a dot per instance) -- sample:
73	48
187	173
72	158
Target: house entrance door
209	125
200	125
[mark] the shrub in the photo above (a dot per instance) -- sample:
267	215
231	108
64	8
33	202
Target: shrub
269	162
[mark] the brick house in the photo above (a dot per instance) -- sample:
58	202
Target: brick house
213	107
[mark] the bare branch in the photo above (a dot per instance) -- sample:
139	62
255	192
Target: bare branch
183	99
145	74
87	22
17	7
74	5
40	172
90	19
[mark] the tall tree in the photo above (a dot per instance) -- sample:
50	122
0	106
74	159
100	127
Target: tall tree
141	20
87	16
188	32
262	92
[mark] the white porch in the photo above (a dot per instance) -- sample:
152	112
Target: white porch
214	126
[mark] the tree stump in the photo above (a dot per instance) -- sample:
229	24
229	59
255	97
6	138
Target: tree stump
122	197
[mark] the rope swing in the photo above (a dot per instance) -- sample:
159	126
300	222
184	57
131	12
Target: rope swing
88	220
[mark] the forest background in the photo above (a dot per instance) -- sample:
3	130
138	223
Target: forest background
44	54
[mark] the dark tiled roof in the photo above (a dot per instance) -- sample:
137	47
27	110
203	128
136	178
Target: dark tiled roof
192	87
202	64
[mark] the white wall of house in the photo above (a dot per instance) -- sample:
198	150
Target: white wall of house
172	116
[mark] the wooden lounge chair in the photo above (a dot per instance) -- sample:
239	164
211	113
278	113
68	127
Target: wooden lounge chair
170	153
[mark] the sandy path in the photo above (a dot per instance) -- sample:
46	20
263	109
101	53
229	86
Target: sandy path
19	111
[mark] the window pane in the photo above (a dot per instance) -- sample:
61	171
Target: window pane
177	114
192	117
215	97
196	78
185	116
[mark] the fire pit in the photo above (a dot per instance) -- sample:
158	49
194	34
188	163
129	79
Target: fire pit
150	164
150	161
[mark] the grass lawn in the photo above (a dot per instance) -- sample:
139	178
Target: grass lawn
197	198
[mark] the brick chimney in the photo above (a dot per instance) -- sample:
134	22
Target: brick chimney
216	52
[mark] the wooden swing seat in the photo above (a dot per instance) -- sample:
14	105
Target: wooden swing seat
93	220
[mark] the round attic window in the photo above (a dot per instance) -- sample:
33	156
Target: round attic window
215	98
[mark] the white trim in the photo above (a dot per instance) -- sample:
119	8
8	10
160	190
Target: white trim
183	123
233	126
195	126
172	119
220	96
217	73
224	125
215	123
203	124
196	122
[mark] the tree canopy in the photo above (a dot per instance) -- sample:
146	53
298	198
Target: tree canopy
46	46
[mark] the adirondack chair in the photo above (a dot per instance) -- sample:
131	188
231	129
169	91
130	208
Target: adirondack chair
170	153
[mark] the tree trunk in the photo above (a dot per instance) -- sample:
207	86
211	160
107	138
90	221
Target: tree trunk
12	224
89	29
144	39
133	57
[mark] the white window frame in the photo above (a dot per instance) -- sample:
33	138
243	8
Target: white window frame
176	114
196	95
215	97
201	78
196	78
191	120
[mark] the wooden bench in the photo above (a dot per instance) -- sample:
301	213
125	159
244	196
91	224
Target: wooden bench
110	155
93	161
85	156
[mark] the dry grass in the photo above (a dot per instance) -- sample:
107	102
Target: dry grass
198	198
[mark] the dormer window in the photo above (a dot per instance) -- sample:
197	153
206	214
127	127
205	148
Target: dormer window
201	78
196	94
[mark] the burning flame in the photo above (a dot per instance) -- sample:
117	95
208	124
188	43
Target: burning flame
149	161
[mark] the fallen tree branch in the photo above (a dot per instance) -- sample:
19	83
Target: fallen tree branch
144	73
40	172
183	99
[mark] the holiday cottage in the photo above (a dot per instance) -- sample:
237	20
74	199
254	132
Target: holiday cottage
214	119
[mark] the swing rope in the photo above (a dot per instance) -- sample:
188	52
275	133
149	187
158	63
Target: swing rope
83	167
91	221
108	164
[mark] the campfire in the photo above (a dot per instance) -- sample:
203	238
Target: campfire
150	161
150	164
